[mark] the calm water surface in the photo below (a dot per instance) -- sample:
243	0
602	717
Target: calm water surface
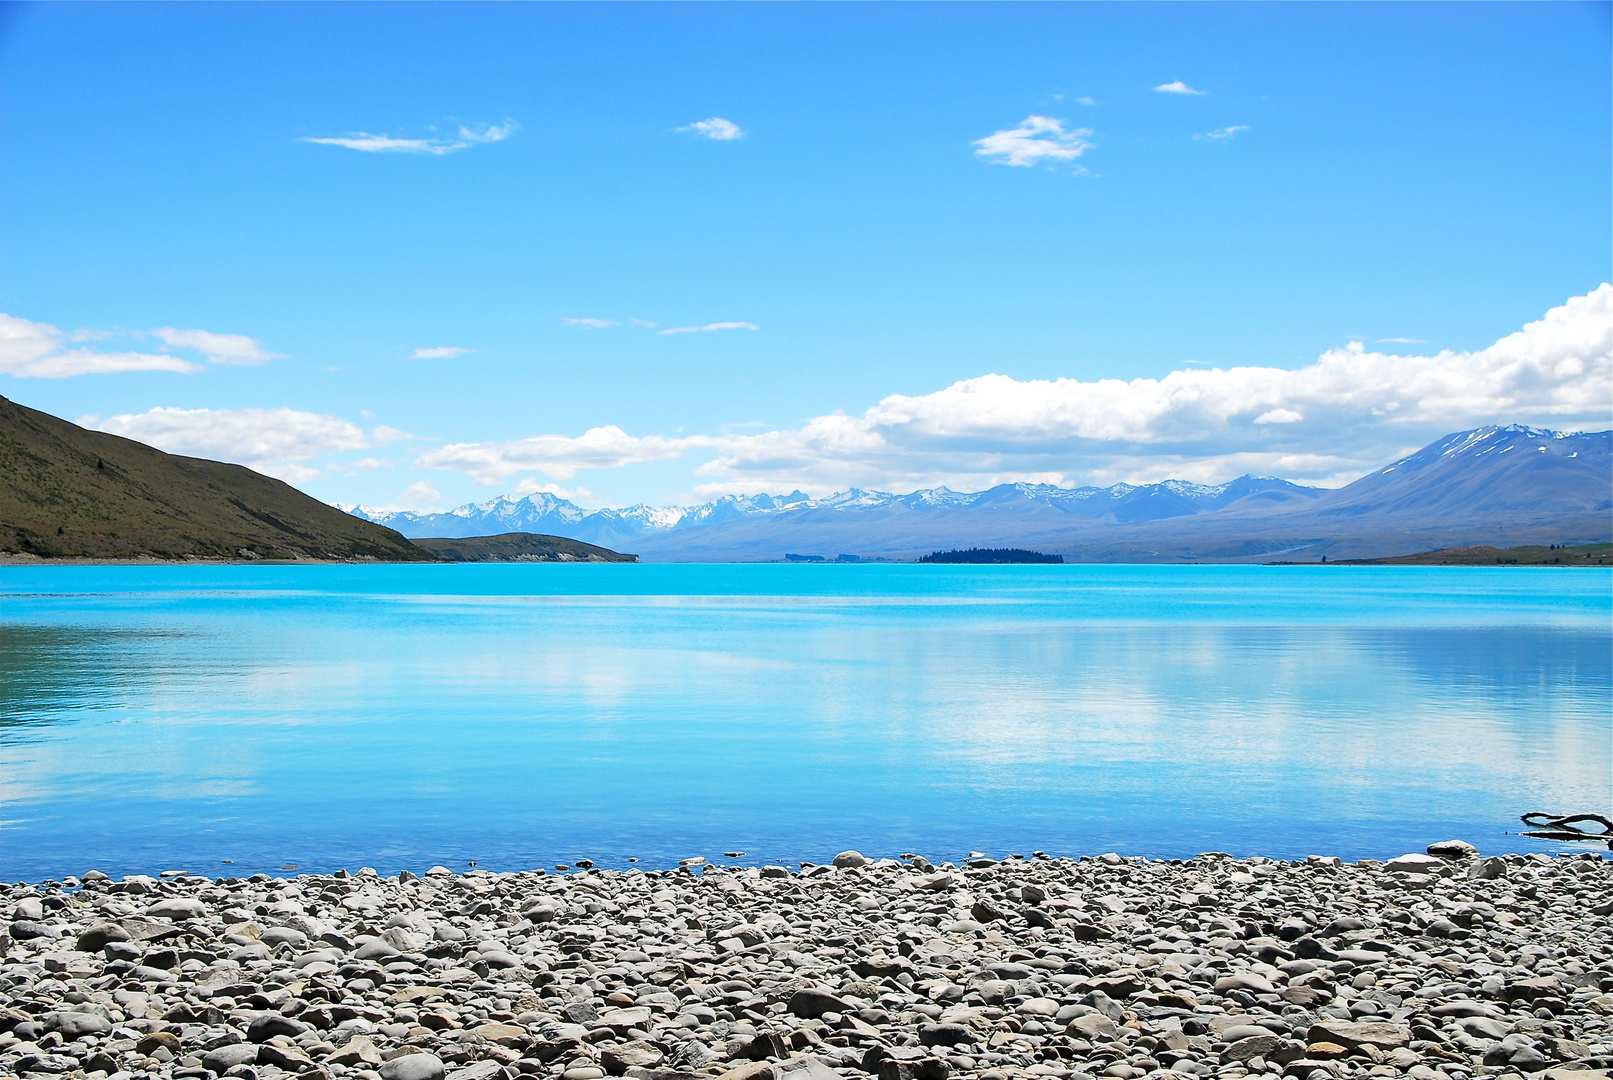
400	716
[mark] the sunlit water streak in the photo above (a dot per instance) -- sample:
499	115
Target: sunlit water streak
395	716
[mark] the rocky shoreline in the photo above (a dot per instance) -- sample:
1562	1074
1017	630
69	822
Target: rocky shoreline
1444	966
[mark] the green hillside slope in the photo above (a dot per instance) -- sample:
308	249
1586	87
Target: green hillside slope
519	547
65	491
1481	555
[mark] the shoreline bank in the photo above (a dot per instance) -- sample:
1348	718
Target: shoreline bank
1434	967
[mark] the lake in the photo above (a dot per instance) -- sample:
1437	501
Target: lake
230	719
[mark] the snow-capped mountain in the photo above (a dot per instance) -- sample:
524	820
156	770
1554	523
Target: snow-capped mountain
1498	485
541	513
544	513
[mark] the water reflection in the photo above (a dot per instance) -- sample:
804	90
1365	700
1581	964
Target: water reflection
51	674
193	719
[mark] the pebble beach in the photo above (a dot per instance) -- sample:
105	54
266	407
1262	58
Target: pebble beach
1438	966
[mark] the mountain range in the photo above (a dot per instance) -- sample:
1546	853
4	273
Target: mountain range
1492	485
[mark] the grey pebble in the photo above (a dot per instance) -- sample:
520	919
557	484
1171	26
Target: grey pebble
1441	966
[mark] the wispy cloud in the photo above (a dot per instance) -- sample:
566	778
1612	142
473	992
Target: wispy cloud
715	128
488	133
708	328
1178	87
41	351
1222	134
383	434
1036	139
642	322
592	324
1327	422
440	352
388	144
218	348
1402	341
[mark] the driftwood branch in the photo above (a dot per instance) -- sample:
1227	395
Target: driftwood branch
1568	827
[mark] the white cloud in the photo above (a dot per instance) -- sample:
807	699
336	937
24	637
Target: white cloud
708	328
715	128
267	440
592	324
1222	134
387	144
30	350
558	456
384	434
441	352
218	348
1279	416
1326	422
642	322
289	471
1402	341
421	496
366	464
1178	87
1347	411
41	351
488	133
1037	138
531	486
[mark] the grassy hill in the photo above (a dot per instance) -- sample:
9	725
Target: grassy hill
519	547
65	492
1482	555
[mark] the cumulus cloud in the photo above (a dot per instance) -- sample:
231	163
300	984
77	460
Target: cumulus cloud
1331	419
1279	416
420	495
1222	134
441	352
1178	87
270	441
1325	422
530	486
715	128
386	144
1037	138
708	328
591	324
41	351
558	456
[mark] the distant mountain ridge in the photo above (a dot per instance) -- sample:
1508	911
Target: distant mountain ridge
546	513
1499	485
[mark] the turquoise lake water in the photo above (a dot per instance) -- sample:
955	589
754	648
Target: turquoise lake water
526	715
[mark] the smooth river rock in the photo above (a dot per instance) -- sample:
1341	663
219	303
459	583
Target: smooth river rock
981	966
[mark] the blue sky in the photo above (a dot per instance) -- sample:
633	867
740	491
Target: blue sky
913	198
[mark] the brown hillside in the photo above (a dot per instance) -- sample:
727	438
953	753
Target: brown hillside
519	547
65	491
